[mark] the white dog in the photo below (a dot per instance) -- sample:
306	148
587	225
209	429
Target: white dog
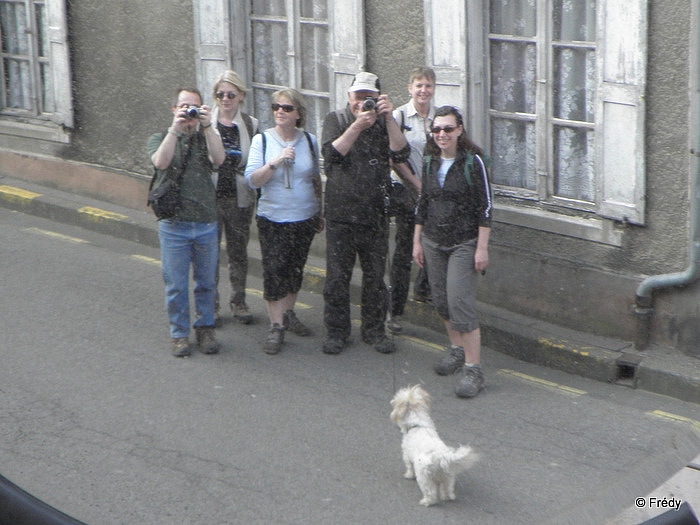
428	460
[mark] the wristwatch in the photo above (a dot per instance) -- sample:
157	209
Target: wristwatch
273	167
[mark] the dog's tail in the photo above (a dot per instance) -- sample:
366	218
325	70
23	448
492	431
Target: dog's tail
459	459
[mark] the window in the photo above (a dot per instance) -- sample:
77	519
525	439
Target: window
313	46
34	65
539	130
554	89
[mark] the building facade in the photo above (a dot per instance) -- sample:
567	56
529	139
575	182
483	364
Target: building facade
587	110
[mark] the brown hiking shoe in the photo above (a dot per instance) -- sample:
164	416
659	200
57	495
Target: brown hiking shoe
206	340
241	313
293	324
181	347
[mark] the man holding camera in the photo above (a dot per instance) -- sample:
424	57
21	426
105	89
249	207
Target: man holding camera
189	150
358	144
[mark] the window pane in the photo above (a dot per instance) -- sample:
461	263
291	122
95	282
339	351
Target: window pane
513	147
574	153
315	9
48	103
268	7
574	21
513	71
18	84
270	53
574	84
514	17
314	58
15	33
41	37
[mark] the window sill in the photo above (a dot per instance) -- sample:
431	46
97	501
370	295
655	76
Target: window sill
37	130
594	229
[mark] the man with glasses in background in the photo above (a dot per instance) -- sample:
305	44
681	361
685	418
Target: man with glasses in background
358	145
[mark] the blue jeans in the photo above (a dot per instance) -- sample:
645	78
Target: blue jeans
185	244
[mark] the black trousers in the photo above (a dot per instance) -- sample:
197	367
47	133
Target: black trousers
345	242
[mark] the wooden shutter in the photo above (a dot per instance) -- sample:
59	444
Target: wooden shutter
212	42
622	41
347	46
60	63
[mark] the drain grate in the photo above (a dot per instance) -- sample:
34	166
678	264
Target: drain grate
627	366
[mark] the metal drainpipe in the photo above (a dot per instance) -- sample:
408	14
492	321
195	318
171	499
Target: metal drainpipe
644	298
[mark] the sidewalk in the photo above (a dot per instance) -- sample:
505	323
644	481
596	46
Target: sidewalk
658	370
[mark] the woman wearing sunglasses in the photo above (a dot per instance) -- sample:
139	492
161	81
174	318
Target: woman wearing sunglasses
283	163
234	198
453	223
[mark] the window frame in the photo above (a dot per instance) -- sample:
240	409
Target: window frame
621	44
52	126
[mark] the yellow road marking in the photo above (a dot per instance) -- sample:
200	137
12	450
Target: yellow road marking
97	213
674	417
543	383
17	194
149	260
58	236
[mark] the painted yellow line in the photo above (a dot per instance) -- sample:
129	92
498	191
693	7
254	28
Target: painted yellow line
97	213
543	382
17	194
563	346
149	260
674	417
60	236
315	270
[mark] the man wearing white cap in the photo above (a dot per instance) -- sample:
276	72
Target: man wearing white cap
358	144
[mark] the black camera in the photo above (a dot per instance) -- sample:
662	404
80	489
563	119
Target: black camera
192	112
369	104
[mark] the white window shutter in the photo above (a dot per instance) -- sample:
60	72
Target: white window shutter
347	46
60	63
622	41
446	50
212	41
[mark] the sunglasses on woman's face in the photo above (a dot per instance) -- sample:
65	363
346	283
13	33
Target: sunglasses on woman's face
447	129
226	94
287	108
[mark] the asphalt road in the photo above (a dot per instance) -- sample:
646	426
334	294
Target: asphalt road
98	420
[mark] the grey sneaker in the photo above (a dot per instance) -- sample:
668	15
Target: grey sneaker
275	338
181	347
394	324
470	381
451	362
206	340
292	324
241	313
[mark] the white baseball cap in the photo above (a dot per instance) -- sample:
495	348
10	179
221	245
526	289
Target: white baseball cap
364	81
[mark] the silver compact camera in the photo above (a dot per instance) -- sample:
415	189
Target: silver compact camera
369	104
192	112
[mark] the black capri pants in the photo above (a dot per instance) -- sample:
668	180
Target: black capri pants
285	248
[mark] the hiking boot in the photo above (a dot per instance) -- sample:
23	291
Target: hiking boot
275	338
451	362
292	324
394	324
206	340
385	346
181	347
470	381
241	313
333	346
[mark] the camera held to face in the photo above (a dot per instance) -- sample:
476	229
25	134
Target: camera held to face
192	112
369	104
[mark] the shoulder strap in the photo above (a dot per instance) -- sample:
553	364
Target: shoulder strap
264	144
342	119
248	124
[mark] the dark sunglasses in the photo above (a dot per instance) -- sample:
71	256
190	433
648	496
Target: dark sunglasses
447	129
226	94
287	108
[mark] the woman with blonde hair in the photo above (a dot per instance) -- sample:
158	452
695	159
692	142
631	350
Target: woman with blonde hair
283	164
235	200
